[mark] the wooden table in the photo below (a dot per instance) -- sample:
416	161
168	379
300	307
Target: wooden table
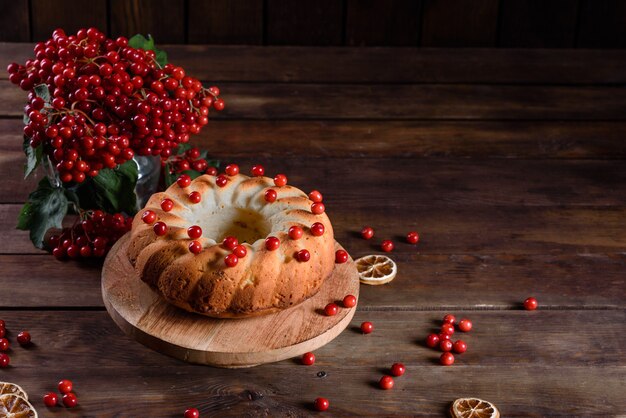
510	164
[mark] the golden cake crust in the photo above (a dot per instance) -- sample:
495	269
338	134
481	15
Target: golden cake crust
263	281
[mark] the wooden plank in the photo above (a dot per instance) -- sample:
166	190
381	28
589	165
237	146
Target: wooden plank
378	23
400	102
444	230
70	15
163	19
472	281
225	22
459	23
529	372
538	23
14	21
293	22
602	24
371	65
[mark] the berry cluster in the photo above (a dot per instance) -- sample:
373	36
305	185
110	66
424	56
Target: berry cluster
108	101
444	342
190	160
70	400
92	236
388	245
23	339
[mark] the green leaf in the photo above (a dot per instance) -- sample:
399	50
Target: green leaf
42	91
114	189
46	207
25	119
33	156
161	57
147	44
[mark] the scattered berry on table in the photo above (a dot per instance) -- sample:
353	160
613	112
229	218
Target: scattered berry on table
445	345
192	413
331	309
23	338
386	382
50	399
367	232
459	347
349	301
397	369
530	304
4	344
341	256
449	319
308	359
465	325
387	246
447	328
2	323
70	400
65	386
412	237
4	360
446	359
432	340
321	404
443	336
367	327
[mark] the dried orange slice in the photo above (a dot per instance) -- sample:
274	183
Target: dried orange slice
14	406
376	269
7	388
473	408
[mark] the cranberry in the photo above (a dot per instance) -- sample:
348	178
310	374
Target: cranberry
295	232
443	336
4	344
2	323
331	309
232	169
231	260
280	180
3	330
445	345
240	251
387	246
318	208
167	205
258	170
317	229
50	399
270	195
221	180
160	228
459	346
272	243
530	304
230	243
192	413
303	256
465	325
70	400
341	256
446	359
386	382
367	232
412	237
65	386
397	369
447	329
211	171
184	180
23	338
308	359
195	247
449	319
315	196
321	404
367	327
148	217
194	232
349	301
432	340
195	197
4	360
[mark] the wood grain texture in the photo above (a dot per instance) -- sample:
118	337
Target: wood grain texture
459	23
538	23
371	65
163	19
70	15
225	22
293	22
529	363
602	24
382	23
14	21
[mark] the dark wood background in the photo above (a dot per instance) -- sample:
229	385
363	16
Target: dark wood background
426	23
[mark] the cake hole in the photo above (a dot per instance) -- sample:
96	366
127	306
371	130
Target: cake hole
247	225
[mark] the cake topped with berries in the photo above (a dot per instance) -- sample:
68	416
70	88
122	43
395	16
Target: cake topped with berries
233	246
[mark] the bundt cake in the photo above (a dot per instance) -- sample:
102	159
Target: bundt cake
231	246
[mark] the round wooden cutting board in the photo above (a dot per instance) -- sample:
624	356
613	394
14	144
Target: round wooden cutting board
231	343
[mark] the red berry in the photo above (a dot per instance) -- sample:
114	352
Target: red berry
367	327
221	180
446	359
230	243
367	232
387	246
270	195
85	251
23	338
73	251
530	304
445	345
280	180
70	400
231	260
303	256
148	217
272	243
2	332
465	325
341	256
4	360
315	196
195	197
443	336
4	344
184	180
432	340
219	105
192	413
50	399
321	404
349	301
331	309
65	386
2	323
308	359
167	205
447	329
194	232
317	229
295	232
240	251
412	237
211	171
232	169
386	382
195	247
459	346
258	170
318	208
160	228
397	369
449	319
